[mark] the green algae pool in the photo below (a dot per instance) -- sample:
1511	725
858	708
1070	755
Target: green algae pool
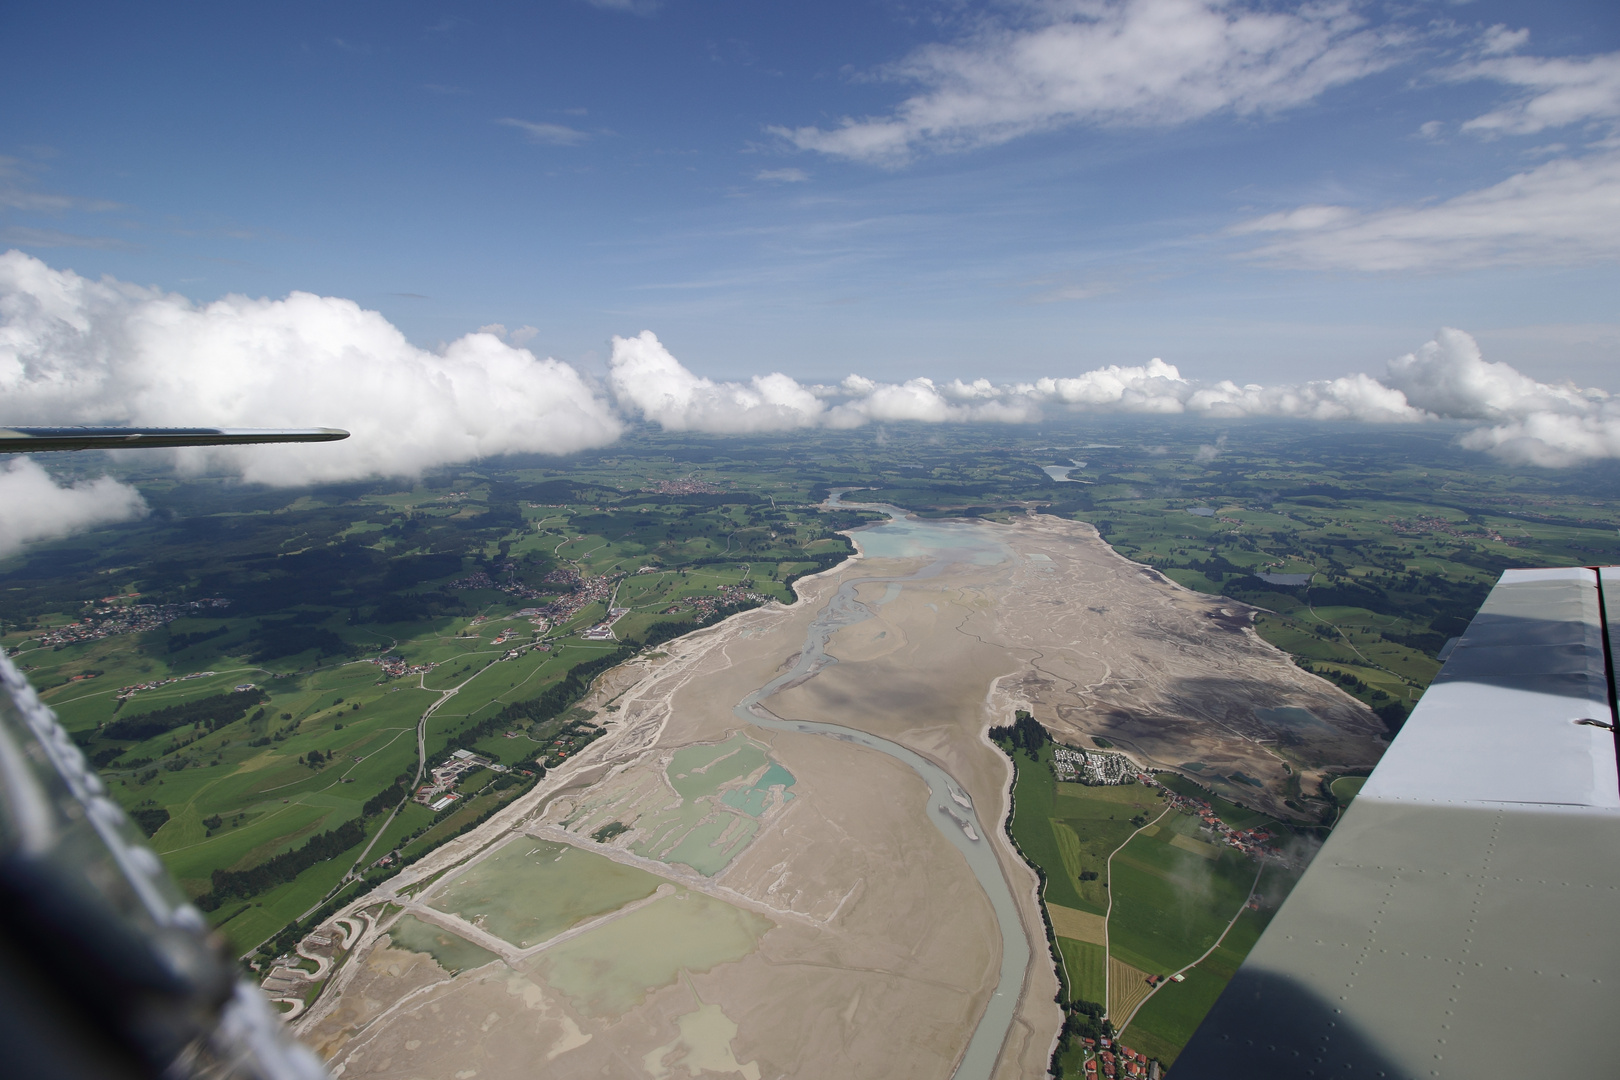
751	801
450	951
702	832
613	968
531	890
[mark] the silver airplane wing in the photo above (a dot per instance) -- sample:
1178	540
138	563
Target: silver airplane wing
30	440
1460	920
106	971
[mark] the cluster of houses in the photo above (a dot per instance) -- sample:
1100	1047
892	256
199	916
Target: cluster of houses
587	590
1427	523
1255	841
132	689
684	487
1093	766
1118	1061
478	579
112	616
724	596
395	667
441	792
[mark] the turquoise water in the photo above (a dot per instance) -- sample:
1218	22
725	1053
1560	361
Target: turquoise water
691	833
904	537
752	800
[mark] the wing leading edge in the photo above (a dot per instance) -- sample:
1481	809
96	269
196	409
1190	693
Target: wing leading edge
29	440
1459	920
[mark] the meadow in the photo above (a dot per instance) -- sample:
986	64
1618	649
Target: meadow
1174	894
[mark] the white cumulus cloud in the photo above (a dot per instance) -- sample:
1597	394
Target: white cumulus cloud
1520	419
647	380
33	507
1111	63
76	351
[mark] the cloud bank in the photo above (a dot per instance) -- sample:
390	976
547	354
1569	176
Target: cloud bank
33	507
1110	63
1522	420
76	351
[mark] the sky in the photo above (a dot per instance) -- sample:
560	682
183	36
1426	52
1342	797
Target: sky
1013	190
494	228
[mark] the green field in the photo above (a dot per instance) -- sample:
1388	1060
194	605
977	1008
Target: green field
1168	1019
1171	905
1086	965
1174	892
1073	832
1346	788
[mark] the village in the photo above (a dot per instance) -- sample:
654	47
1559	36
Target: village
684	486
1104	768
1255	842
126	692
395	667
1118	1060
113	616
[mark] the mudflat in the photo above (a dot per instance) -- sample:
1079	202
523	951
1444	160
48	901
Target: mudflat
826	927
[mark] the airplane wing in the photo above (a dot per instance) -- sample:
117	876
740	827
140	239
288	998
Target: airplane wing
29	440
1459	921
106	971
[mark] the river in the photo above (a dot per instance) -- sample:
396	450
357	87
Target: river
950	808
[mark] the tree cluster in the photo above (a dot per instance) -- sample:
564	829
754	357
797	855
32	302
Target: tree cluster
279	869
1024	732
215	711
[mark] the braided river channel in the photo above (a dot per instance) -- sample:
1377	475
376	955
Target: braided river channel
950	808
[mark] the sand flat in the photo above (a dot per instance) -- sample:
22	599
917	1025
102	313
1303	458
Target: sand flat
878	949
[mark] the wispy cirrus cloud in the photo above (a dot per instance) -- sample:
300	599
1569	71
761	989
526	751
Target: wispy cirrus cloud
1555	91
50	202
55	238
629	7
1563	212
546	134
783	176
1111	63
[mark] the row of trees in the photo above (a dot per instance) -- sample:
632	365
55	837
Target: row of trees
215	712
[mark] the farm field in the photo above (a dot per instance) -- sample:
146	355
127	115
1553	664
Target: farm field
1175	892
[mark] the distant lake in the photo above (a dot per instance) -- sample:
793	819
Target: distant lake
1060	473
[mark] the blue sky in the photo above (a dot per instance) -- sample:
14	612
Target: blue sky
1004	190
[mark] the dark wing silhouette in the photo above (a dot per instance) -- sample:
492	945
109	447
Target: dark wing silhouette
29	440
